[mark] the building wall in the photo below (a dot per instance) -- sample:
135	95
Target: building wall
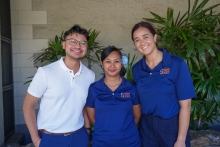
36	21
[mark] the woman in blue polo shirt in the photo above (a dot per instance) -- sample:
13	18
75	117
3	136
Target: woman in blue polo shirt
113	105
165	89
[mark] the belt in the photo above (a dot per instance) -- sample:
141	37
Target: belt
63	134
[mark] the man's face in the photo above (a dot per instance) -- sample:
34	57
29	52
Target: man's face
75	46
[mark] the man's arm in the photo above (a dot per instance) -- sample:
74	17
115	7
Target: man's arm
30	117
184	118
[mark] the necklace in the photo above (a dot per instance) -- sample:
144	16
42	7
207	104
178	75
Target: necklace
113	85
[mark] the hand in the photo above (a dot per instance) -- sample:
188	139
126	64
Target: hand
37	143
180	144
88	131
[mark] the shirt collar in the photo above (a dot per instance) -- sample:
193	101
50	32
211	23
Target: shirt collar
165	61
166	57
65	68
103	85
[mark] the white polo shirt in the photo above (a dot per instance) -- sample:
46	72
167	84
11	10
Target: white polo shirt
63	96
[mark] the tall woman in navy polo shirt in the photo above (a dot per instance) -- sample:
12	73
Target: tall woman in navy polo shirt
165	89
113	105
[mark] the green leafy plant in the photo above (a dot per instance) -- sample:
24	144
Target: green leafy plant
94	49
128	68
195	36
52	53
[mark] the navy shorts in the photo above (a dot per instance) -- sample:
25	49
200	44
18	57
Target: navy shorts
159	132
80	138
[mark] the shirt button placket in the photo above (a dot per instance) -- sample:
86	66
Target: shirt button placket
72	77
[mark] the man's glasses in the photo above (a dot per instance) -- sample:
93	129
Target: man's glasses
73	42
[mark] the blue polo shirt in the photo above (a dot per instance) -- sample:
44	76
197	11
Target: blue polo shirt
114	120
161	88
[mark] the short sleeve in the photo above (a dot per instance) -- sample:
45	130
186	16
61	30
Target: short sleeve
184	84
136	100
38	84
133	76
90	102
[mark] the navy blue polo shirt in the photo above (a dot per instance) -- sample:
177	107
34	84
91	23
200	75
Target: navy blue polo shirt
161	88
114	119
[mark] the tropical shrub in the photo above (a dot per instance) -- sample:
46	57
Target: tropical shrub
195	36
129	66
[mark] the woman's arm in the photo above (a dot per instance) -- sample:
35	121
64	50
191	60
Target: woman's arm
184	118
137	113
91	114
86	119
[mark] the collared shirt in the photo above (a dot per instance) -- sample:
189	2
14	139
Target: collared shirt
63	95
114	119
161	88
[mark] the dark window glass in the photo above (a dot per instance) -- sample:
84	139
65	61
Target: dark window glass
8	111
6	64
5	18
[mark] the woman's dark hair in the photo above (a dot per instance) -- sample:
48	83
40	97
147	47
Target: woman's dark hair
143	24
107	51
77	29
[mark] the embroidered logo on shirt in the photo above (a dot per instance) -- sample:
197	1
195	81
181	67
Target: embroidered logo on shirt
125	95
165	71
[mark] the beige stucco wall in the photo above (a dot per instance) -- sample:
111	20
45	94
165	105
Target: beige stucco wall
36	21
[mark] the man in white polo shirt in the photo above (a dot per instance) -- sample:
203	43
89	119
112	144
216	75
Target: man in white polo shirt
62	88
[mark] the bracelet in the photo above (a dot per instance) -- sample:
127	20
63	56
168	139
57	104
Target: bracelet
36	140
